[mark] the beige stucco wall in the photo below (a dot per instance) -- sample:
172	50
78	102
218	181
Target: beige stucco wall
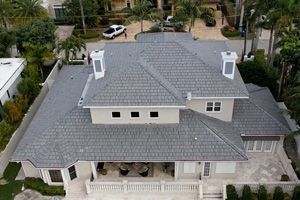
50	5
83	170
103	115
213	173
199	105
30	170
182	175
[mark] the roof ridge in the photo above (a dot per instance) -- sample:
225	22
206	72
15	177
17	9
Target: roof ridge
225	139
223	77
273	118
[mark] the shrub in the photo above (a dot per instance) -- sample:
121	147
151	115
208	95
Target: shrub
76	62
38	185
90	34
287	196
285	177
229	31
262	193
154	28
278	194
231	192
6	131
296	193
12	113
247	193
22	102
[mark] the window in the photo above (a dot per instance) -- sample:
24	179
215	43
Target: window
135	114
128	4
206	169
228	68
55	176
72	172
59	11
250	145
153	114
118	28
189	167
8	94
116	115
268	146
98	65
213	106
258	145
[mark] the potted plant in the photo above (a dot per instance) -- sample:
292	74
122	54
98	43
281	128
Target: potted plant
103	171
124	169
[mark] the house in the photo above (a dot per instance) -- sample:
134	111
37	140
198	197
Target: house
10	76
165	108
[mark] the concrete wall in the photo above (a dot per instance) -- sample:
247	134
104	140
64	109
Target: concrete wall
225	114
30	170
104	115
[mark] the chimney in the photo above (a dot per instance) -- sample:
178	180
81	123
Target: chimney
228	63
98	63
189	96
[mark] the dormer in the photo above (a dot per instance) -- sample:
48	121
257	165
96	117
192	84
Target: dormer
98	63
228	64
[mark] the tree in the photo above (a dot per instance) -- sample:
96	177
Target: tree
6	11
262	193
247	193
73	11
296	193
38	32
141	11
190	9
7	39
28	10
231	192
12	113
71	45
278	194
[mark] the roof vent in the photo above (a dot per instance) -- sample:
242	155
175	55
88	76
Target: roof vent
228	64
189	96
98	63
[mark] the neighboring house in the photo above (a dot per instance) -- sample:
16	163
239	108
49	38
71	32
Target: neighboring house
166	107
10	76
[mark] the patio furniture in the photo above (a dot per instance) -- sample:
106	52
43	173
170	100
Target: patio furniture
124	170
144	171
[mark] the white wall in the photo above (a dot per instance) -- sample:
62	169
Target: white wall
13	90
104	115
30	170
225	114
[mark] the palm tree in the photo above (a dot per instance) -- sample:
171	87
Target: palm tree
27	10
140	12
6	10
71	45
190	9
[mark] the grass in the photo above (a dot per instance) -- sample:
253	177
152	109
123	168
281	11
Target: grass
12	188
249	37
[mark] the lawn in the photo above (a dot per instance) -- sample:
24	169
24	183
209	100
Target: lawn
12	188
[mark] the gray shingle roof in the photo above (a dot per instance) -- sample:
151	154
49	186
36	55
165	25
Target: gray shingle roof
178	67
164	37
260	114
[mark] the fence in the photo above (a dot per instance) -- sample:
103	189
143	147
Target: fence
153	186
18	134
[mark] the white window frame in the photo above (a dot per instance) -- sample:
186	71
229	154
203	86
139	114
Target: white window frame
153	117
273	145
76	171
135	117
209	169
189	167
116	117
213	107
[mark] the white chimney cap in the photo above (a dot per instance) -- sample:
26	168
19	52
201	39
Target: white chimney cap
228	55
189	96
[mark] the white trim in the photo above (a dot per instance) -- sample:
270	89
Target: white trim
213	107
94	171
204	168
76	171
220	98
134	107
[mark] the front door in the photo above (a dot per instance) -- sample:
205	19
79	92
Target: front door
72	172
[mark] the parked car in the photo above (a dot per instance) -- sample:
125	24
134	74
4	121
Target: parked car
171	22
113	31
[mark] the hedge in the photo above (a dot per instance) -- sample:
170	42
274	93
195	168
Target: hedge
43	188
247	193
90	34
231	192
229	33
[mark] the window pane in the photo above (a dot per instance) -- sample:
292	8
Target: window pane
268	146
228	68
209	108
116	114
98	65
135	114
210	104
250	145
72	172
55	176
217	104
206	171
154	114
258	146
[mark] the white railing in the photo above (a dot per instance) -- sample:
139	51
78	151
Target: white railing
151	186
224	195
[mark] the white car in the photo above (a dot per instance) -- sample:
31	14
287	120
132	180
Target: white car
113	31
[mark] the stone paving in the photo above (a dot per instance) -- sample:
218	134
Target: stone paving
34	195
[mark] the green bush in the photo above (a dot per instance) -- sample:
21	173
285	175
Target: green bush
231	192
284	177
247	193
262	193
90	34
287	196
38	185
6	131
296	193
278	194
227	32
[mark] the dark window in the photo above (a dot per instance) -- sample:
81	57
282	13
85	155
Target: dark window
128	4
217	106
153	114
118	28
72	172
55	176
59	12
116	114
209	106
98	65
135	114
8	94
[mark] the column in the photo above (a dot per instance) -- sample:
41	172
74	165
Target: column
94	169
176	174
